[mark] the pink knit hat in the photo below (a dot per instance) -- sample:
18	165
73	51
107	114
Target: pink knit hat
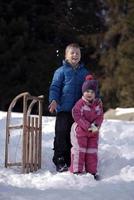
90	84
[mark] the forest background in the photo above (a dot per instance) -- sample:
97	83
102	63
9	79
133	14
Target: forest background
34	34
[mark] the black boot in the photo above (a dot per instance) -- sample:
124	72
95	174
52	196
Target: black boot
96	177
61	165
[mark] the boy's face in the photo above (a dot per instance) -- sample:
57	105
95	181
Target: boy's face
73	55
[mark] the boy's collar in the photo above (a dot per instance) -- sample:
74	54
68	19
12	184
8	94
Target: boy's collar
65	62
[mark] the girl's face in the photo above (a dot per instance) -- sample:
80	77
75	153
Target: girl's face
73	55
89	95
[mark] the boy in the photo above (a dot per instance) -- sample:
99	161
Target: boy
65	90
88	117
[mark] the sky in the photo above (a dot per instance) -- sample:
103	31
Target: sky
116	166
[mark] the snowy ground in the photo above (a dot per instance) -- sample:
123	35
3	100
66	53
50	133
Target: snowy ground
116	166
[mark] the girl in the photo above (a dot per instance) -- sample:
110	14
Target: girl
88	116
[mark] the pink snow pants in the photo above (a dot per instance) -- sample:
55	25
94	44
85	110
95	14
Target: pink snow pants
83	152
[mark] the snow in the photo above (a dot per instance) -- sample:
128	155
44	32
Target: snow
116	166
120	111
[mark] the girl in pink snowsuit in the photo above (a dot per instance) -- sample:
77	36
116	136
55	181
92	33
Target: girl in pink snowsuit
88	117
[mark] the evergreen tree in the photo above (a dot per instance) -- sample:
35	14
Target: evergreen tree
116	56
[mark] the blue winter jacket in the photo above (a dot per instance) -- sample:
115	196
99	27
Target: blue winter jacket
66	86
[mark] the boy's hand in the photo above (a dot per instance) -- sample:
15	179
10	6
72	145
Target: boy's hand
52	107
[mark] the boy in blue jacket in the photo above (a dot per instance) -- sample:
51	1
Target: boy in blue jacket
64	91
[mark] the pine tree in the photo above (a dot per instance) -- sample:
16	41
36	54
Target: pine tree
116	58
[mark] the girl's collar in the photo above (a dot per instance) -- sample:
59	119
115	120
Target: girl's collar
88	102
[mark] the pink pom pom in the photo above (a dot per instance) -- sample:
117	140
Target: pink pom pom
89	77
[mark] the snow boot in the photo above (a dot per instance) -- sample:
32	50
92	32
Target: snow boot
96	177
61	165
77	173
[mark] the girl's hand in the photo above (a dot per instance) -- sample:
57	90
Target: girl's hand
93	128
